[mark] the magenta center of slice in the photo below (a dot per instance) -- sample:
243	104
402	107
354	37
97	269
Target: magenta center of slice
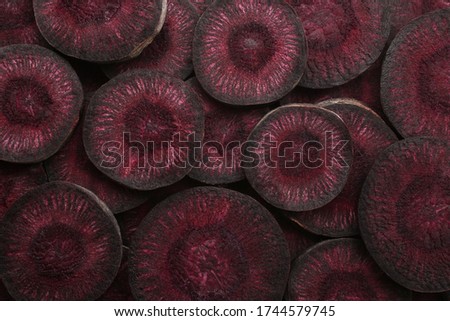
251	46
26	101
57	251
346	286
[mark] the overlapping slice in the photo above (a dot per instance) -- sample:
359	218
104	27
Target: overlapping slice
249	52
218	245
298	157
370	136
141	127
226	131
40	103
341	270
404	213
59	242
18	25
171	51
415	84
101	30
344	38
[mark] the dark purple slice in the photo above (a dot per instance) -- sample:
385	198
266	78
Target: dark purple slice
17	24
403	11
16	180
341	270
370	136
59	242
120	288
40	103
71	164
249	52
404	213
201	5
299	157
171	51
415	83
226	129
218	245
140	129
101	30
344	38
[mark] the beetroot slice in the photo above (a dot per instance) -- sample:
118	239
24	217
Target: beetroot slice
71	164
40	102
341	270
249	52
344	38
301	158
218	245
404	213
16	180
102	30
415	84
226	129
59	242
18	25
140	129
370	136
171	51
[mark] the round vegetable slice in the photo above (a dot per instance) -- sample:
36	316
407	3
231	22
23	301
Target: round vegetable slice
370	136
141	127
299	157
101	30
341	270
344	38
404	213
249	52
218	245
40	103
59	242
415	84
171	51
18	25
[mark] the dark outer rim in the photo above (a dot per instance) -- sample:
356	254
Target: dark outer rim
134	52
296	217
117	81
70	125
159	209
263	99
370	240
33	195
347	241
385	31
279	110
389	66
